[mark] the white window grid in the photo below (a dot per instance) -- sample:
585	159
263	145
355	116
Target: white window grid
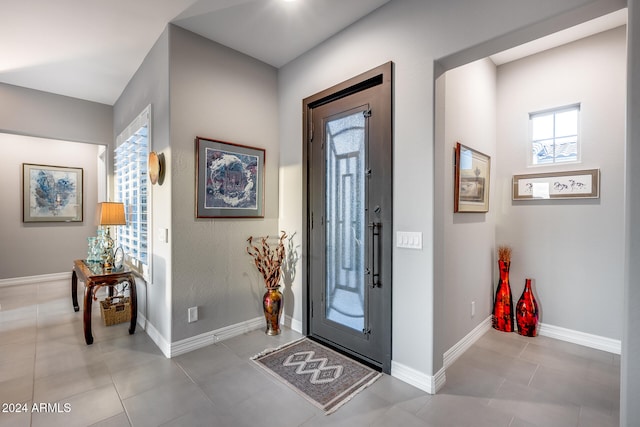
571	151
131	188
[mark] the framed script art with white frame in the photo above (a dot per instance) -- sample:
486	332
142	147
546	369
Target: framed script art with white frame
580	184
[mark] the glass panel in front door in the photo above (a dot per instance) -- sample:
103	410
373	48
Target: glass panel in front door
345	220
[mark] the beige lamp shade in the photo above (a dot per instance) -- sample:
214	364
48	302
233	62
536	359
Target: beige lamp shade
111	213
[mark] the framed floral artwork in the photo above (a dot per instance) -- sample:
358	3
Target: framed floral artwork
51	193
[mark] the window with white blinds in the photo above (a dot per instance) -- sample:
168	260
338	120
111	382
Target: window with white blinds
131	157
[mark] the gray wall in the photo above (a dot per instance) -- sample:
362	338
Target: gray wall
630	368
573	249
46	248
30	249
200	88
414	35
150	85
220	94
35	113
464	246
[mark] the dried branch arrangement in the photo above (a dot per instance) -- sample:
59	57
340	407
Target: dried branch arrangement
504	253
268	259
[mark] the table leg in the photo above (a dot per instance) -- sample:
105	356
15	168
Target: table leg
88	299
74	290
134	305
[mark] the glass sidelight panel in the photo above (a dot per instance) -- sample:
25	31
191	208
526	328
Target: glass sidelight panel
345	220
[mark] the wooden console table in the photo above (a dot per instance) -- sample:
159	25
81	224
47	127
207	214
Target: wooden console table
94	276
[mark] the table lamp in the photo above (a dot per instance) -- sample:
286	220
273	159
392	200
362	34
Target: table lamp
109	213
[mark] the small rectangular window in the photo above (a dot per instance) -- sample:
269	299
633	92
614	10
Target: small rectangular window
554	135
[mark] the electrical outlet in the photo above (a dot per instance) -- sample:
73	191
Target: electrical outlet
473	308
192	314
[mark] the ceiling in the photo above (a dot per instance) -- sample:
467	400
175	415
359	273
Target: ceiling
90	49
598	25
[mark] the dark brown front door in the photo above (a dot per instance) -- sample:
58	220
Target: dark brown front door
350	216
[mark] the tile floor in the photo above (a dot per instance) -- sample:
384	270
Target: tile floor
122	380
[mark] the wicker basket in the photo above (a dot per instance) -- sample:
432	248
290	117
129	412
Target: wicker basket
115	310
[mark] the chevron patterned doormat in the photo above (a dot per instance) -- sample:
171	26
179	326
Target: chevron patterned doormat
324	377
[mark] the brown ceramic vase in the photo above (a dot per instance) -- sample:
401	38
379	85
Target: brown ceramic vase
272	305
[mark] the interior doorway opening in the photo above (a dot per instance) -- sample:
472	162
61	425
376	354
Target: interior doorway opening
485	232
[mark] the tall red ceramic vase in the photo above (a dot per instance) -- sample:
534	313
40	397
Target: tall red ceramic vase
503	303
527	312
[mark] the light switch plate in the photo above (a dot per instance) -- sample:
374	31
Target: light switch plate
163	235
409	239
192	314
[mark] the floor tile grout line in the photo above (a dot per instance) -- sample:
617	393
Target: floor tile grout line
35	354
492	398
519	356
184	371
533	375
124	408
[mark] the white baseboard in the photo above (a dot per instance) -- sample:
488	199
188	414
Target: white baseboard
29	280
156	336
467	341
205	339
439	379
416	378
192	343
189	344
290	322
431	384
588	340
141	321
239	328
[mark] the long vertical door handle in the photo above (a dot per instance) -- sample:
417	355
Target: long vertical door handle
374	275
